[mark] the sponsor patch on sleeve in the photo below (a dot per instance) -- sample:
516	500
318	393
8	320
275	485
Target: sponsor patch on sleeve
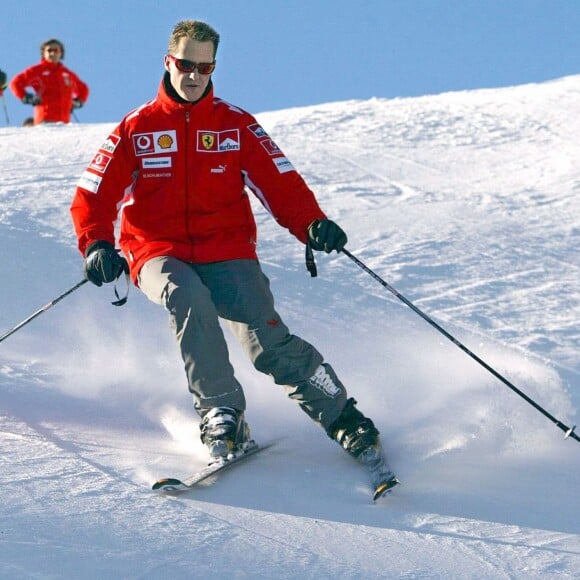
283	164
90	181
100	162
110	143
270	146
257	130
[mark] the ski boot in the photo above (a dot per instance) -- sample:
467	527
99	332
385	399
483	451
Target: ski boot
359	437
225	433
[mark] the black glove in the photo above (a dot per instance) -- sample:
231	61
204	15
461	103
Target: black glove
103	263
77	104
326	235
3	81
30	99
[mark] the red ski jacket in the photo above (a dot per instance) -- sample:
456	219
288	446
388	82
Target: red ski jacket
55	85
178	173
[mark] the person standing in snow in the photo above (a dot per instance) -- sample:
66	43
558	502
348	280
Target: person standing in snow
56	89
178	167
3	82
3	85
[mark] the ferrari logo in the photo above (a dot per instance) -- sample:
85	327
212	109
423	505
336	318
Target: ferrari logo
208	140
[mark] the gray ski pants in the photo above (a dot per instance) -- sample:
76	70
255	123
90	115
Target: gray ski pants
238	292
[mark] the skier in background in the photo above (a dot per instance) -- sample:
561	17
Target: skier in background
3	82
56	89
3	85
178	167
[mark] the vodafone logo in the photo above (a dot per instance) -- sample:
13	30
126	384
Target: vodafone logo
144	143
99	162
270	147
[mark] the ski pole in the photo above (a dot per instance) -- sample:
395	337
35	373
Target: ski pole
5	109
43	309
568	431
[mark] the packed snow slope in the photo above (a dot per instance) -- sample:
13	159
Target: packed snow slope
468	204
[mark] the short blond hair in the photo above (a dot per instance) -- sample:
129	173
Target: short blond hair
196	30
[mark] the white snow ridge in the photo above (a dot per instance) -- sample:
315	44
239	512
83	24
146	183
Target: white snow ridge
468	204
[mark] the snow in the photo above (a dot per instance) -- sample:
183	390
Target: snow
467	203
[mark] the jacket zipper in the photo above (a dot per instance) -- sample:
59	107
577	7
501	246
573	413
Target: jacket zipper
187	184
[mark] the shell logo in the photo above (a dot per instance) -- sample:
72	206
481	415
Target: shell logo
165	141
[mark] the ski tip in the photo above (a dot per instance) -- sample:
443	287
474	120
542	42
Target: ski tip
385	487
168	485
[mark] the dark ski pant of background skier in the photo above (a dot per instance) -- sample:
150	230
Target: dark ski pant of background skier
238	292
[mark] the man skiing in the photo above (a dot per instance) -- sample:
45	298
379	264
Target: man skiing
178	167
56	89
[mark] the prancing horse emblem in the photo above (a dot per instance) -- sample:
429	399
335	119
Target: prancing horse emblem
208	140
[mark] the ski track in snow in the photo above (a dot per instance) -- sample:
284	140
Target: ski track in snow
467	203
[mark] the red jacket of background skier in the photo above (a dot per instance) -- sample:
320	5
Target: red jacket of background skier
55	85
178	172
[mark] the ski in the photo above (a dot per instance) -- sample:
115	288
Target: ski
382	478
170	484
385	487
384	481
